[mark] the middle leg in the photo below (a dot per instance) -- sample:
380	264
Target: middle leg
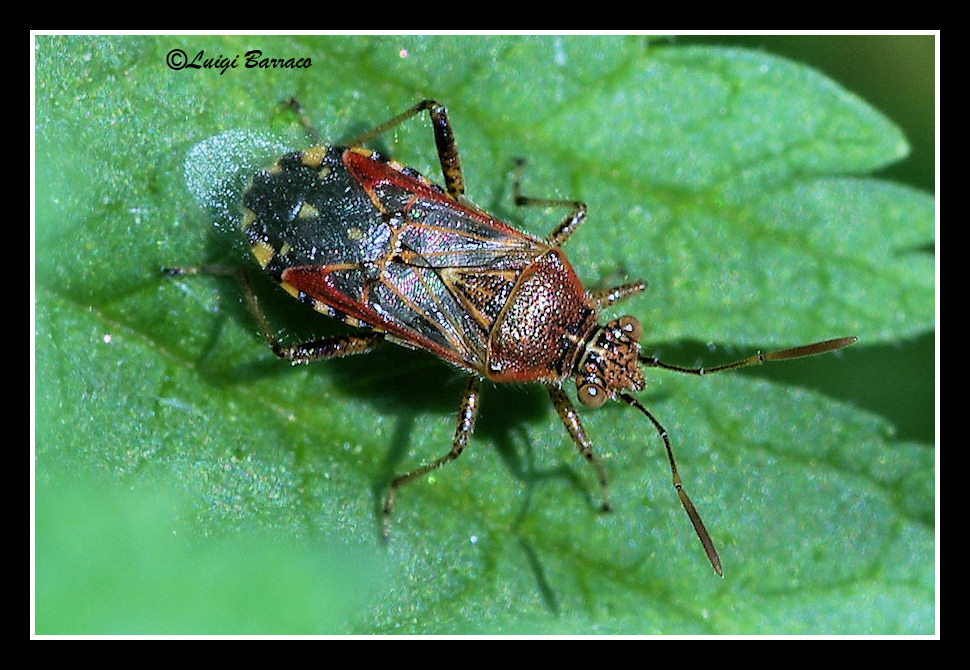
466	424
568	226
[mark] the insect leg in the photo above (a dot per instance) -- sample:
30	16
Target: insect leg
613	295
757	359
568	226
331	347
466	423
576	431
444	138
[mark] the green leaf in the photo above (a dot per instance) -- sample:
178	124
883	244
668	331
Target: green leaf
736	183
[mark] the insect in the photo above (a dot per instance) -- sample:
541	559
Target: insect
372	242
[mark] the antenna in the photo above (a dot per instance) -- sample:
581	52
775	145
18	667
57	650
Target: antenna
757	359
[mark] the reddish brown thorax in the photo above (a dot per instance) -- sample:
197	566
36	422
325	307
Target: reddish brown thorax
538	331
547	331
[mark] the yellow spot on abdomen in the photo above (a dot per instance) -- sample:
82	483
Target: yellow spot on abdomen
308	211
291	289
313	156
264	253
248	217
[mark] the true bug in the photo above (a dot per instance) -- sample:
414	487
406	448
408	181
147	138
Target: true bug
372	242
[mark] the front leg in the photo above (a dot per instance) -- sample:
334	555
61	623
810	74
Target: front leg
570	419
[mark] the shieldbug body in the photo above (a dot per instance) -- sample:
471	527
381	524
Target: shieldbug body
372	242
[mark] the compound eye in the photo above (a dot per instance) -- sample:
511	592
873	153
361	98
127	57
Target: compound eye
591	394
631	327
